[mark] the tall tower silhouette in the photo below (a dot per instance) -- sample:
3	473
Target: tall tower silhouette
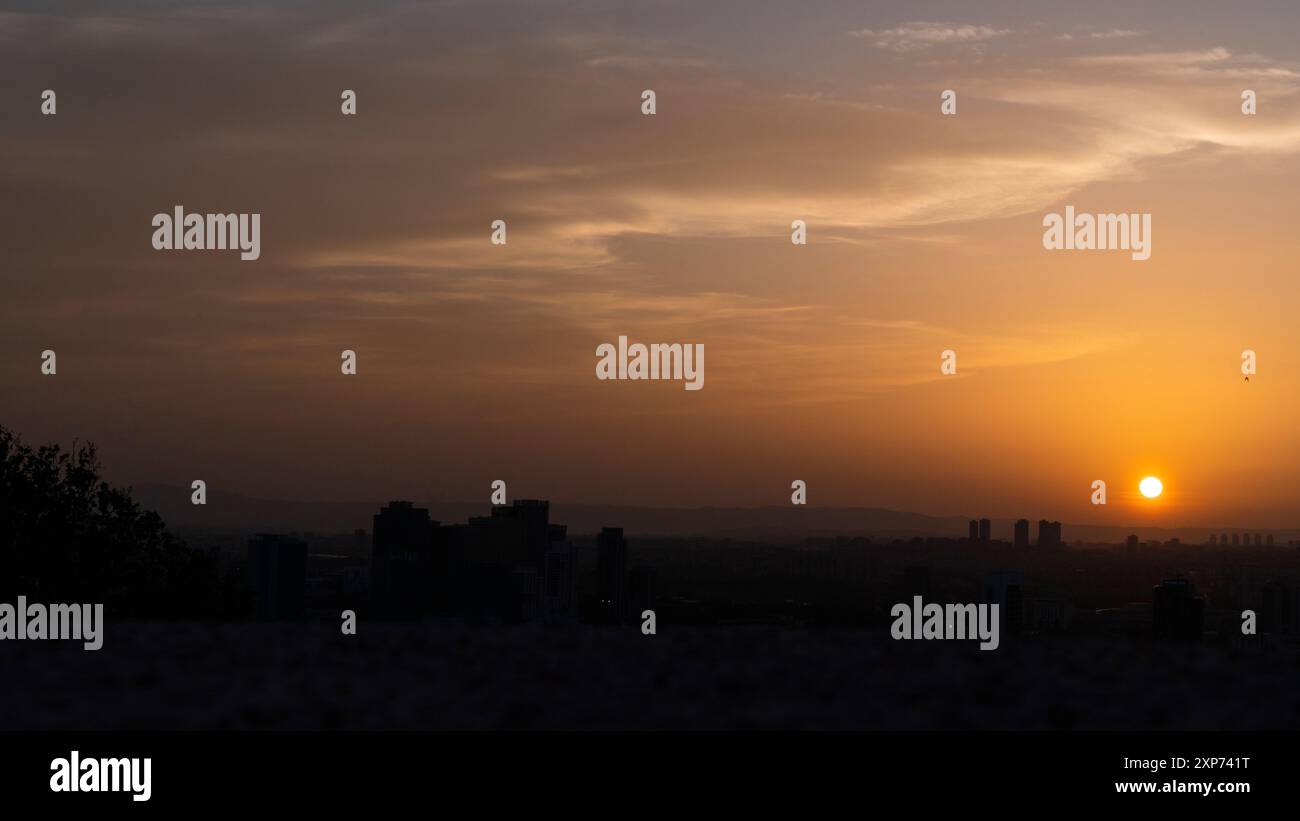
402	566
611	575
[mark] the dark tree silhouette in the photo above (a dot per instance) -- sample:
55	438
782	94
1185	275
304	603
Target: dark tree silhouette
67	536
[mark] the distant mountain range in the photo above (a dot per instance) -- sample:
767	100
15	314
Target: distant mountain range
786	524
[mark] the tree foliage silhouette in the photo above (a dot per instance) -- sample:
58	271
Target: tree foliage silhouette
67	536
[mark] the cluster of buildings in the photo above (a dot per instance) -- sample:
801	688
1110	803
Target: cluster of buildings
511	566
515	566
1019	609
1049	533
1242	539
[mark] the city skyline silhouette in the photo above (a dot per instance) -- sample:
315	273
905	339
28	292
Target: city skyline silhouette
916	370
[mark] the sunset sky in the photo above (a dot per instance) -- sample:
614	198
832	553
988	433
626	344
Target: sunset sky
822	361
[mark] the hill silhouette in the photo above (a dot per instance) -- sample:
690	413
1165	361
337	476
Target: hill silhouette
771	524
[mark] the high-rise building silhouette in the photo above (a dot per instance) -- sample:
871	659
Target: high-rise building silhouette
559	572
611	576
1006	589
986	530
524	598
1021	538
1259	540
402	560
522	539
511	566
513	535
277	575
1177	612
974	530
1131	543
1223	538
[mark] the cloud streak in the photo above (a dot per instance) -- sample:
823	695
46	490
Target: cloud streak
921	35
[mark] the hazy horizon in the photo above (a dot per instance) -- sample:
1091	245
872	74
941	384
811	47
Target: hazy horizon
764	523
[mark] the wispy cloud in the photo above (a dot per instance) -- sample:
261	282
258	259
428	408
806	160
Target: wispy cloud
1108	34
1114	34
918	35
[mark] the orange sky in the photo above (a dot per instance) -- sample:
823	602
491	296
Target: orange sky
477	362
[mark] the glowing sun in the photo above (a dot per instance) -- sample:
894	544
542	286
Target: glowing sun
1151	487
